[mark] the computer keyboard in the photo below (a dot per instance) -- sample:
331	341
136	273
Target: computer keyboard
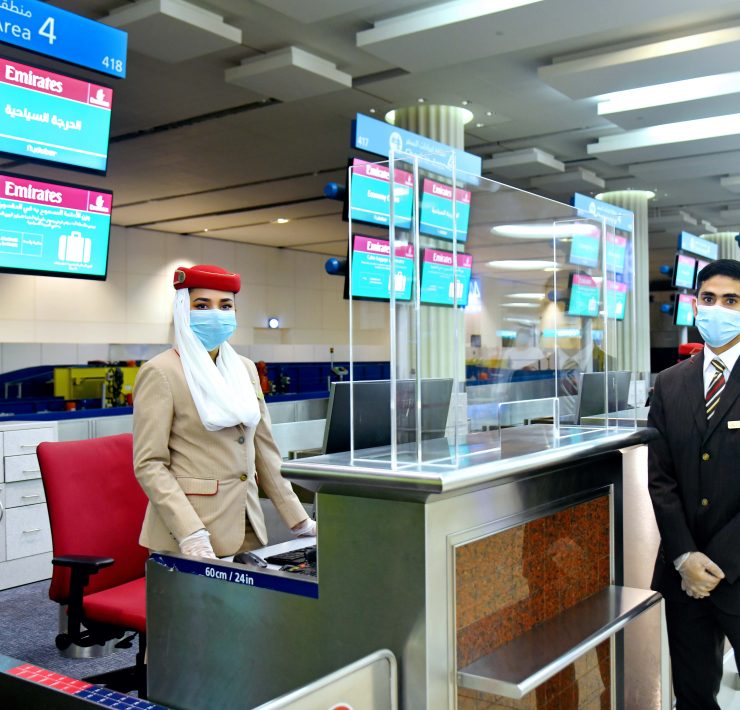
294	557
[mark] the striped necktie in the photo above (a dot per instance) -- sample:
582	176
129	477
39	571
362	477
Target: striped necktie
715	387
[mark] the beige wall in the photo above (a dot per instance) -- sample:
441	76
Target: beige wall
48	320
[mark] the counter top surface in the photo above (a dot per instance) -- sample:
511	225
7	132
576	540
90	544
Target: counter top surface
478	459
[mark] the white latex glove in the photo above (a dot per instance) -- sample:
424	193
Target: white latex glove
197	545
306	528
699	575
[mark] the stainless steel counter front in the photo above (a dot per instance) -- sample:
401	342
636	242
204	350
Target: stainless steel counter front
523	450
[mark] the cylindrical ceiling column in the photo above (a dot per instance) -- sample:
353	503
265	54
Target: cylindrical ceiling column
633	348
445	124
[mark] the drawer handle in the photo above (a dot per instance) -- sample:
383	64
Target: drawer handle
31	470
28	446
31	497
32	530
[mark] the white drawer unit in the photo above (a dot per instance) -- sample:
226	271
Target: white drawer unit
21	468
27	531
25	441
24	493
25	534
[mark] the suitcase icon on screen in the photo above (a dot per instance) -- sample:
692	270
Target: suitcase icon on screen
75	247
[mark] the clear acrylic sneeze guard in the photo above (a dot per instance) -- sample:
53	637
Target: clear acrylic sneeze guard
496	308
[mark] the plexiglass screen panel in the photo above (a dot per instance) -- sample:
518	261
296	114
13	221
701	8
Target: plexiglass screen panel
496	308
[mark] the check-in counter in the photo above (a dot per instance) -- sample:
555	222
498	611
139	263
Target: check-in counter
497	582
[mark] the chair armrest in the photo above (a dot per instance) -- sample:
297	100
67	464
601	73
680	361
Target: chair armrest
85	563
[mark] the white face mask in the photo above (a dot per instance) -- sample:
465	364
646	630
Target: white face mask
717	325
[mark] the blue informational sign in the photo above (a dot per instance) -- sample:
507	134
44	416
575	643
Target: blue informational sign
616	300
378	137
616	217
696	245
584	249
684	271
370	192
285	582
52	117
683	312
436	211
584	296
438	283
371	269
45	29
55	229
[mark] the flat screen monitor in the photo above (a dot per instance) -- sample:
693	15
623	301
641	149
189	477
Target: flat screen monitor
616	299
616	252
372	413
370	274
683	311
437	211
700	264
370	196
440	282
584	249
592	397
584	296
684	271
53	228
54	118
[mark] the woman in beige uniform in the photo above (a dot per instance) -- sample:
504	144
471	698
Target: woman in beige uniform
202	433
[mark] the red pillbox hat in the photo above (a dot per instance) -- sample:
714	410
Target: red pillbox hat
207	276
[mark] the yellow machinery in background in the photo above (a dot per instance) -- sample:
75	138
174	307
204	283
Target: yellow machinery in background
111	384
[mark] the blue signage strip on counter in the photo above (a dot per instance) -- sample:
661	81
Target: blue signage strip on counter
696	245
379	137
45	29
616	217
297	584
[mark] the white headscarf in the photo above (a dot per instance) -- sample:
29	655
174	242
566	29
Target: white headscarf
222	391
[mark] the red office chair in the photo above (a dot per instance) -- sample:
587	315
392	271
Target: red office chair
96	508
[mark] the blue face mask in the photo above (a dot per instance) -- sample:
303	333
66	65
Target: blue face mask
212	326
717	325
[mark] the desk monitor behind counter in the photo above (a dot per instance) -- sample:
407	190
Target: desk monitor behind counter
591	394
372	413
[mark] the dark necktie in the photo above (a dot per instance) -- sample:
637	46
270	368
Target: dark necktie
715	387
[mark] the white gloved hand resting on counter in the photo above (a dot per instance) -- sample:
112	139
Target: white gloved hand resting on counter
198	544
306	528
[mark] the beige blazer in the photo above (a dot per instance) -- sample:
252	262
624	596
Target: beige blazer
196	478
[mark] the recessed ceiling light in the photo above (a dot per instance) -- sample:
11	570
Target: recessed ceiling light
465	102
421	99
372	110
206	229
273	322
281	220
520	264
479	125
489	113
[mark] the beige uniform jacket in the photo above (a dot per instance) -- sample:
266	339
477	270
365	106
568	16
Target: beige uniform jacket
196	478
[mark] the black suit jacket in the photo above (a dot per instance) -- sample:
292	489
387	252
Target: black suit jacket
694	479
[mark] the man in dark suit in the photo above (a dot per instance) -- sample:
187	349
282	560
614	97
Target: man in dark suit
694	482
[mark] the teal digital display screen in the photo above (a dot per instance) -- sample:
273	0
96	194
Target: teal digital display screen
584	296
54	118
370	194
437	211
616	300
441	283
584	249
53	229
684	271
683	311
371	269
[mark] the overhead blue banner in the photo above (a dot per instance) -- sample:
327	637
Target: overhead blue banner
696	245
237	574
379	137
616	217
45	29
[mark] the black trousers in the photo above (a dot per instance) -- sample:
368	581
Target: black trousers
696	635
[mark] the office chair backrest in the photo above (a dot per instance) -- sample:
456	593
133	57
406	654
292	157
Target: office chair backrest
96	507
